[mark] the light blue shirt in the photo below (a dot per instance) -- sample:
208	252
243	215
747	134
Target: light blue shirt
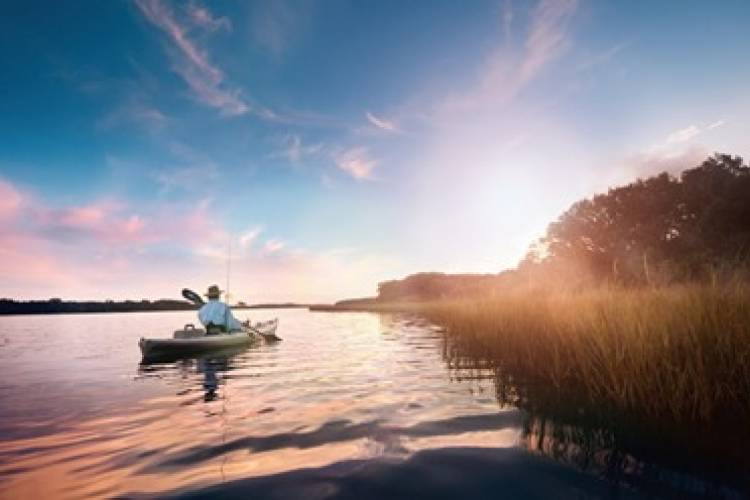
218	313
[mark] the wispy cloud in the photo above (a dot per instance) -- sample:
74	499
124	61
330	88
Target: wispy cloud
134	113
603	57
507	20
273	246
683	135
678	151
509	71
293	149
275	24
189	178
356	162
689	133
201	16
249	237
548	36
190	61
381	123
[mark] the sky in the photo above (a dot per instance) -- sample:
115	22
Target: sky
307	150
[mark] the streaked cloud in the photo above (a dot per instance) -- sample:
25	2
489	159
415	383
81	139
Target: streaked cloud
249	237
683	135
356	162
188	178
134	113
274	246
381	123
603	57
192	62
689	133
507	71
548	36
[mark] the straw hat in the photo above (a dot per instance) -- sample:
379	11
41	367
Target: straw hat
213	292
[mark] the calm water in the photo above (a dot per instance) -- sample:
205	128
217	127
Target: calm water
349	405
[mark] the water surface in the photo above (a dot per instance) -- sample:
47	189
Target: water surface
349	405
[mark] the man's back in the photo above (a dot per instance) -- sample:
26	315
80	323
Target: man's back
218	314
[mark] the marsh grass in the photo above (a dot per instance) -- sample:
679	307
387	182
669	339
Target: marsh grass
678	354
618	377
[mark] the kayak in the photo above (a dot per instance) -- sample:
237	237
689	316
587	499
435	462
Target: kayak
194	340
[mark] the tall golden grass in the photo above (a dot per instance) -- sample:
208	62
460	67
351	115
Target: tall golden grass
671	354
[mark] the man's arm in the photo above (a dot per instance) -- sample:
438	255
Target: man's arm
232	323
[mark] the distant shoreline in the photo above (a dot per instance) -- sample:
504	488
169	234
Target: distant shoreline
368	305
57	306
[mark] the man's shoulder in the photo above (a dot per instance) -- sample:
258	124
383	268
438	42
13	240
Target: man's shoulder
214	304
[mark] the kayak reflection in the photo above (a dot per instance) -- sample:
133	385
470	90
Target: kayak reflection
211	366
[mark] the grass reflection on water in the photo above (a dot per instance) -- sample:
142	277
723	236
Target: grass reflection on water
676	461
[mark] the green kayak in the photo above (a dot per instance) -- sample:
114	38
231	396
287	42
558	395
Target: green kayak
194	340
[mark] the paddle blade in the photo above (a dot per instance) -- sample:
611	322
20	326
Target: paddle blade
192	297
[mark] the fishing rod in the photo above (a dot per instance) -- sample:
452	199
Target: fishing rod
229	266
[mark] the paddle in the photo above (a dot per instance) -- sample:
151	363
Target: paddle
198	301
192	297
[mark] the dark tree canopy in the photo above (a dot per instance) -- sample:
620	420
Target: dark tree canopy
664	227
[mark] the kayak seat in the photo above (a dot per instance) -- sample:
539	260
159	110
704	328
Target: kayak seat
189	332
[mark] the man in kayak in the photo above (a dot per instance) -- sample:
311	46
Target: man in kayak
216	315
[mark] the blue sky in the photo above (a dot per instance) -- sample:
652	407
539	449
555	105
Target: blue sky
335	144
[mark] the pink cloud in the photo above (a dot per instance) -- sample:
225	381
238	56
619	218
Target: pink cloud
357	163
106	222
10	200
90	216
51	249
105	249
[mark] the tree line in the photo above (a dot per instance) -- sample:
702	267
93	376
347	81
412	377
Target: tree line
663	229
57	306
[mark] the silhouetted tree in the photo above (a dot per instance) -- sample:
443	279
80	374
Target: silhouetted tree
661	227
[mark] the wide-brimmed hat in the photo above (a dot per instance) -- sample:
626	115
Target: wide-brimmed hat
213	291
